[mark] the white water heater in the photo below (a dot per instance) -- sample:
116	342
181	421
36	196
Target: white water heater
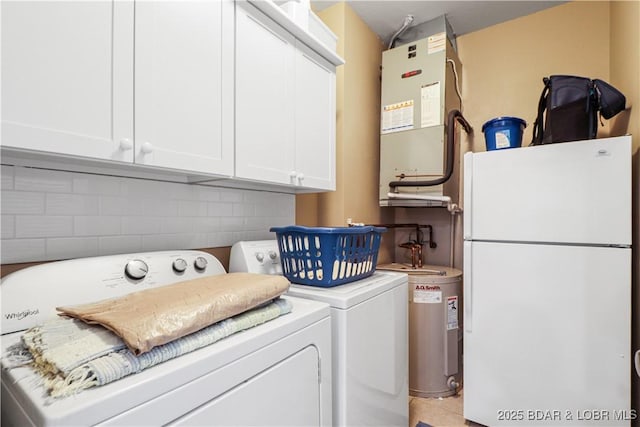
419	89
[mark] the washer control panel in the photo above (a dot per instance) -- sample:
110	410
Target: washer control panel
259	256
30	296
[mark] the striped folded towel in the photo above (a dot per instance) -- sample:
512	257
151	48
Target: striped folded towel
72	356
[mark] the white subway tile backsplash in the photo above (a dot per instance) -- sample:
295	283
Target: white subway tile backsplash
50	215
192	208
31	179
207	194
141	225
163	207
177	225
205	224
244	210
22	203
7	177
37	226
255	223
222	238
111	245
219	209
96	184
136	206
112	205
22	250
232	224
96	225
71	204
161	242
142	188
69	247
8	227
228	195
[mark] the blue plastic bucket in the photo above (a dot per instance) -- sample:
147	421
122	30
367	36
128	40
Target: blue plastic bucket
503	132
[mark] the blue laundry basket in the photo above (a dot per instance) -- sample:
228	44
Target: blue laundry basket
324	256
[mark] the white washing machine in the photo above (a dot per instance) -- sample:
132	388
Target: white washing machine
370	340
277	373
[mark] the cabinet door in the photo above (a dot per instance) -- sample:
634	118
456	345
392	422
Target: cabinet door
265	69
184	85
315	120
67	77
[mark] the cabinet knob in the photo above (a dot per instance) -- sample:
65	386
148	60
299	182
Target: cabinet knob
147	148
292	174
125	144
300	177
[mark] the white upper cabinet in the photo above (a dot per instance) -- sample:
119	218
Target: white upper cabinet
265	131
285	106
315	120
200	89
184	85
67	83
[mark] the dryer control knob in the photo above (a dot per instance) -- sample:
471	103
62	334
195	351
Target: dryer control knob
273	255
200	263
136	269
260	257
179	265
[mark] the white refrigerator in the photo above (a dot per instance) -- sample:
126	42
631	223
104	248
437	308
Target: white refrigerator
547	284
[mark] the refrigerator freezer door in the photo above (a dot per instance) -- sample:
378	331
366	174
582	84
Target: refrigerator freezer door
547	328
576	192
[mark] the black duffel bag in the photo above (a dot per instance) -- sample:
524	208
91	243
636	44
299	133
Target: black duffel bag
572	104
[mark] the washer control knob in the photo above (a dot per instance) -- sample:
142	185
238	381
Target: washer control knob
136	269
179	265
260	257
273	255
200	263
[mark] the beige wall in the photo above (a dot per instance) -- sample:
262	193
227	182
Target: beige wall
504	64
624	65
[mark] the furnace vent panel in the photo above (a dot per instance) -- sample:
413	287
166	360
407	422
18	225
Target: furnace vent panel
418	91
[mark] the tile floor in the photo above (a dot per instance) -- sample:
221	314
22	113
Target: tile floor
438	412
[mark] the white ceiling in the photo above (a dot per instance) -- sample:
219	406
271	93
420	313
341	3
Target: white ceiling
385	17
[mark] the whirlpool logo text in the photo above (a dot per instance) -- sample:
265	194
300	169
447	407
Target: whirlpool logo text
21	314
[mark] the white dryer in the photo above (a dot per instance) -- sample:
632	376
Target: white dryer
370	339
277	373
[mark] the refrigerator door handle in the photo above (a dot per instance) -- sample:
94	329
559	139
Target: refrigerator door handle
467	288
467	197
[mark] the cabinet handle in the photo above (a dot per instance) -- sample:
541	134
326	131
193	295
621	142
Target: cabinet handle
125	144
147	148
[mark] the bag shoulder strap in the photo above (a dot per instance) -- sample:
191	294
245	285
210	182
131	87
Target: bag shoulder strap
538	125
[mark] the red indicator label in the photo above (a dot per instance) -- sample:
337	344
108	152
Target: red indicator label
411	73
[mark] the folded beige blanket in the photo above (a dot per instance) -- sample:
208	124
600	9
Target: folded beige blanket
153	317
